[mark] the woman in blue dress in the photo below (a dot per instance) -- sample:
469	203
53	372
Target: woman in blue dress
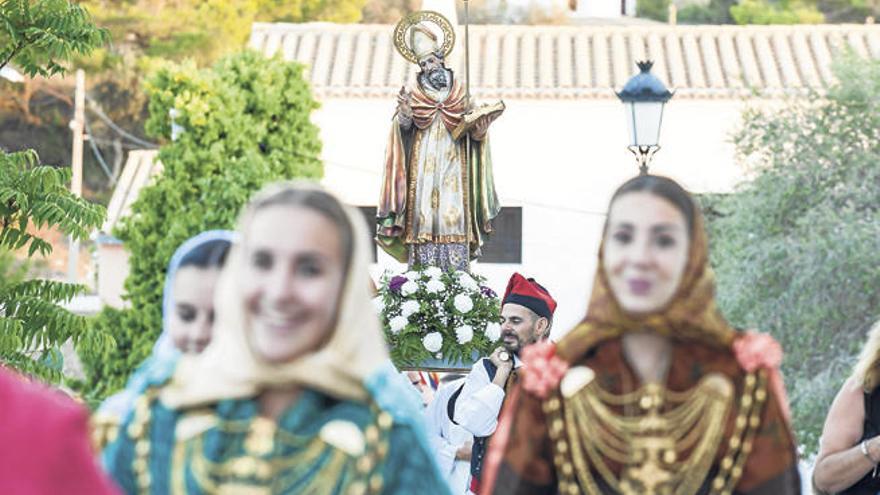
187	321
295	394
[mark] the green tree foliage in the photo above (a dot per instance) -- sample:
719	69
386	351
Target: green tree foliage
32	324
784	12
796	248
653	9
246	123
714	12
40	37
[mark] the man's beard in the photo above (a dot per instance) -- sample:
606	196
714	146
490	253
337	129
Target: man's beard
437	78
512	347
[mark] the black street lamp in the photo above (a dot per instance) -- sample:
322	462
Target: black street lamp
644	96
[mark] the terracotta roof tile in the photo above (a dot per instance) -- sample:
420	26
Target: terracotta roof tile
578	61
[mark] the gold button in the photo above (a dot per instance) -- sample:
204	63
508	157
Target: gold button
385	421
372	434
245	466
142	448
135	430
357	488
365	464
376	483
726	463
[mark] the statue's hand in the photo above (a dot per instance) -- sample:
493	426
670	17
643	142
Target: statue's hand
404	107
478	133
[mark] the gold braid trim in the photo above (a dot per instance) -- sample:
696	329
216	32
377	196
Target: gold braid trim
139	433
352	459
104	429
412	178
748	420
665	442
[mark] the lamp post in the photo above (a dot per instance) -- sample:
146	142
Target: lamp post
643	97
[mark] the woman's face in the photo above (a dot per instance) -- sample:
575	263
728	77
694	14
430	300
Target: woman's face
192	311
646	251
292	281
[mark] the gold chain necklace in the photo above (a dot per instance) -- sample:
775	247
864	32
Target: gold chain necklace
664	442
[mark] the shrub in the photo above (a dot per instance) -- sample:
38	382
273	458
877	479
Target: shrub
245	123
795	249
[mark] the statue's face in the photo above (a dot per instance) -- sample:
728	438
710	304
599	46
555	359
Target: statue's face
430	63
434	71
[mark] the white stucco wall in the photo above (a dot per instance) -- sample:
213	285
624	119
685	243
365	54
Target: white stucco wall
560	160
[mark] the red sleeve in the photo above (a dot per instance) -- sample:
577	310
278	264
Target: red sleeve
520	458
73	466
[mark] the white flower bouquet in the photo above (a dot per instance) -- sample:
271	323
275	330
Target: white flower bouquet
431	315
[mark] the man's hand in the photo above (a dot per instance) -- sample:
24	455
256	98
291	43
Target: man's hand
464	452
503	366
404	107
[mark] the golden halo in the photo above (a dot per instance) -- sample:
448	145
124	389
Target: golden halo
407	22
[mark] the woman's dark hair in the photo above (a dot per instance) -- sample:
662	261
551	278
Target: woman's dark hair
211	254
664	187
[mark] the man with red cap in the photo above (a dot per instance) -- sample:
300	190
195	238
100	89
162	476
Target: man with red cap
526	317
44	442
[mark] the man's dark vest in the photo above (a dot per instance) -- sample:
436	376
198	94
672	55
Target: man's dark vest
479	449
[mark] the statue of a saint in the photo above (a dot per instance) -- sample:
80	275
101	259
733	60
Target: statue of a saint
436	202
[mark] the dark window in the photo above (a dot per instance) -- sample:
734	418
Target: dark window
369	213
504	245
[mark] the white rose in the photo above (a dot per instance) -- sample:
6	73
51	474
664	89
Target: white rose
379	304
412	275
434	286
409	308
409	288
463	303
397	324
464	334
433	272
467	281
493	331
433	341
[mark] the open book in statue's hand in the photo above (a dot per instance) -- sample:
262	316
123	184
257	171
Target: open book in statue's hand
470	119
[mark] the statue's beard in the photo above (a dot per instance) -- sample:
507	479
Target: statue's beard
437	78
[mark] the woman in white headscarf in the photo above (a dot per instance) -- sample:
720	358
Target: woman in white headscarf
294	395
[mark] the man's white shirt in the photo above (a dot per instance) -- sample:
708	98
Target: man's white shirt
447	437
478	405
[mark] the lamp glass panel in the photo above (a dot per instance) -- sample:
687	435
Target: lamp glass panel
643	122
